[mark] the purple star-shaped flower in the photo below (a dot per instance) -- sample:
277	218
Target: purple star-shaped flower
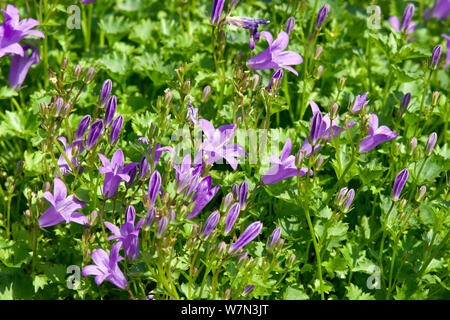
360	101
106	267
62	207
13	30
377	135
274	56
217	146
62	163
128	233
20	66
284	166
203	195
320	127
114	172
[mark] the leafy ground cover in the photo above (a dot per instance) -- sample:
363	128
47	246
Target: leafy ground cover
224	149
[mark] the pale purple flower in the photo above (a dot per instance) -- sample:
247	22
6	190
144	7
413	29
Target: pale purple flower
321	127
290	23
274	237
243	192
162	226
128	234
447	56
377	135
114	172
349	199
435	56
217	145
13	30
360	101
431	142
192	112
252	231
406	25
284	167
399	183
62	207
210	224
441	10
274	57
250	24
188	177
20	66
106	267
64	167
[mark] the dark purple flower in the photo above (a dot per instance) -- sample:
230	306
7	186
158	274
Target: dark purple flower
128	234
132	173
192	112
13	30
203	195
231	217
360	101
436	55
290	23
144	167
111	107
217	145
20	66
188	177
274	57
274	237
106	91
322	15
377	135
405	101
243	192
116	126
248	289
94	132
277	76
106	267
82	126
64	167
447	56
150	217
406	25
248	235
210	224
431	143
154	186
349	200
284	167
87	1
62	207
217	8
114	172
399	183
250	24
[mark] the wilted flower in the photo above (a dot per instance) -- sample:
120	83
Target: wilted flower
399	183
377	135
248	23
62	207
274	57
106	267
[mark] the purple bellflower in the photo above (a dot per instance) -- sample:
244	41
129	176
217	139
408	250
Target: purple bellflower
322	15
435	56
377	135
217	145
231	217
94	132
62	207
116	126
274	237
360	101
406	25
127	234
154	186
248	289
87	1
106	267
349	199
114	172
276	77
192	112
13	30
252	231
431	142
321	127
187	177
210	224
399	183
111	107
274	57
250	24
447	56
217	8
243	193
106	91
64	167
82	126
441	10
203	195
284	167
20	66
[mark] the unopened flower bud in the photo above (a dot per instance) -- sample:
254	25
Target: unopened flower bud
46	187
290	23
162	226
256	79
405	101
431	143
77	72
402	205
334	110
227	294
93	217
412	145
290	261
299	157
206	93
435	98
342	83
64	63
421	193
89	75
106	91
227	201
319	163
168	97
319	72
318	53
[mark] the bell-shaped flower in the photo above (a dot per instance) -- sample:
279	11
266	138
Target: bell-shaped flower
203	195
406	25
377	135
106	267
62	207
274	57
64	167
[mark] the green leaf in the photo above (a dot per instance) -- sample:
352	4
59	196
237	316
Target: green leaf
295	294
355	293
7	92
39	282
